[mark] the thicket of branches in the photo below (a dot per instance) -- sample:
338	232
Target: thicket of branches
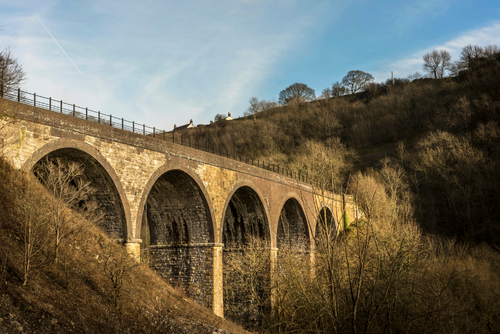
381	274
424	257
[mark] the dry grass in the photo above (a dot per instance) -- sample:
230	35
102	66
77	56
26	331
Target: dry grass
382	275
79	293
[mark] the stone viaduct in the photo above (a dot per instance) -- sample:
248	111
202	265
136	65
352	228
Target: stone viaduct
182	204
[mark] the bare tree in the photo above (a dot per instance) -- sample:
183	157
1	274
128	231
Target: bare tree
297	92
29	223
415	76
456	67
256	106
219	117
339	90
327	93
267	104
432	62
356	81
247	271
474	56
437	62
66	185
117	266
470	53
491	51
12	74
445	62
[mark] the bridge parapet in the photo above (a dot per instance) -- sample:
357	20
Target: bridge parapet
63	108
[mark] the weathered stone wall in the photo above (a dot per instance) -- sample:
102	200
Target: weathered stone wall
190	267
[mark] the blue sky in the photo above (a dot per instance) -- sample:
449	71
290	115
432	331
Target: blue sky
166	62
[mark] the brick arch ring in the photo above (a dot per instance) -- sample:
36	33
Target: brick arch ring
94	153
234	188
152	180
288	196
324	205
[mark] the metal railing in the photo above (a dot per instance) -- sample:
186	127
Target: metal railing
73	110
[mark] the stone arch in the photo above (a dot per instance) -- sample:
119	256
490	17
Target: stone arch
110	192
326	224
177	224
197	181
293	228
241	192
245	214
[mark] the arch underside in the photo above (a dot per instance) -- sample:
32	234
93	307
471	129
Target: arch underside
326	227
177	231
245	218
292	227
106	194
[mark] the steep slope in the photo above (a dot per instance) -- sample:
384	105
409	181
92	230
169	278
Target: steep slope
95	288
443	134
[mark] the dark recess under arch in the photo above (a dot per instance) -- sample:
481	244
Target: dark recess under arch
326	226
177	231
106	194
292	226
245	217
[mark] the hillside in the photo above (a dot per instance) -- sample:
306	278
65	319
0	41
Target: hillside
443	134
95	287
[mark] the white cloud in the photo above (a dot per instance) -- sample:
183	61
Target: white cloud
413	63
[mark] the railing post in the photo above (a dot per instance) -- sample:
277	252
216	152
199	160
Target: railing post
99	117
61	107
133	126
144	129
73	110
122	123
154	132
50	103
86	113
110	120
19	95
34	99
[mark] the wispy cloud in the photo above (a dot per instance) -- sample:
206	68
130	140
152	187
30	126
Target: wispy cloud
60	47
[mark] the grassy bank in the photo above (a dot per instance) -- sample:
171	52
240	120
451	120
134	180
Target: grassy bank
95	287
